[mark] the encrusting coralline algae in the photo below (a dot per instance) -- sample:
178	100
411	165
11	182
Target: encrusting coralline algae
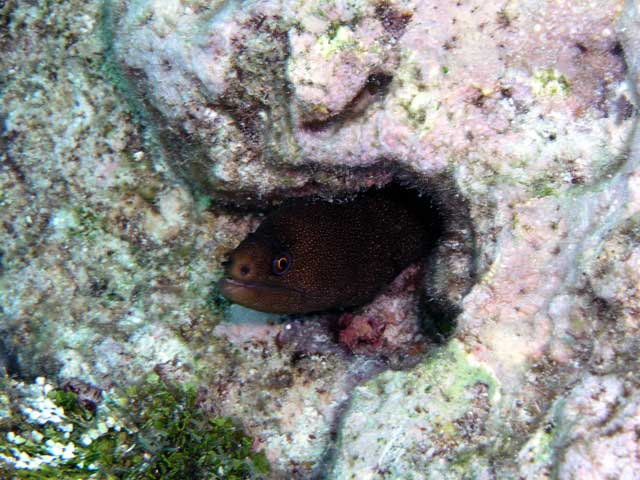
126	124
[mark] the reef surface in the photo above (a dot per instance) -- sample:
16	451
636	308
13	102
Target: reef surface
127	126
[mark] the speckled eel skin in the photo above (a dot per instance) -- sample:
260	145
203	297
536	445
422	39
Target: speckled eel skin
312	255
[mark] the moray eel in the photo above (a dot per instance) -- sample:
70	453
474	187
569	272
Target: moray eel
312	255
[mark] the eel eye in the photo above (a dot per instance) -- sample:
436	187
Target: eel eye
281	264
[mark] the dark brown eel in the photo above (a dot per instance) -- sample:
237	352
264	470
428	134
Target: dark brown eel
312	255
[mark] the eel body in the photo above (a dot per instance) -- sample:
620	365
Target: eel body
308	256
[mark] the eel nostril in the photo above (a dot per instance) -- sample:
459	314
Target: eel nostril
225	263
244	269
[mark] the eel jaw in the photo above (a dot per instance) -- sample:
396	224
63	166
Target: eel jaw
264	297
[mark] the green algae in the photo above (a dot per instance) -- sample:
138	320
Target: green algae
86	223
539	451
451	373
542	186
153	431
550	82
216	303
337	40
112	72
402	415
539	456
417	95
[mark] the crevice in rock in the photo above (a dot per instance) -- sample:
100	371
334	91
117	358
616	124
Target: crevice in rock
618	50
8	359
364	370
445	275
374	89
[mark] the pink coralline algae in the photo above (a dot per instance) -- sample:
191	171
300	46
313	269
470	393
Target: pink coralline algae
273	97
518	118
390	324
362	329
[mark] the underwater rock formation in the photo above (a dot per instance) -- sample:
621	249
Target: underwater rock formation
262	97
522	112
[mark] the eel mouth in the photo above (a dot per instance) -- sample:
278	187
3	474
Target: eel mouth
231	284
263	297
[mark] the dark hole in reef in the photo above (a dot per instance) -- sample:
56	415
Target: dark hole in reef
377	82
8	360
624	109
581	47
506	92
448	269
618	50
439	318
